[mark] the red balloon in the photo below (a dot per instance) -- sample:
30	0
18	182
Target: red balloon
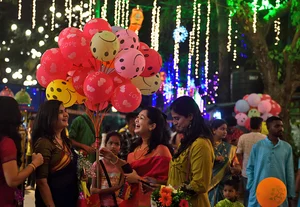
246	97
247	124
276	108
92	62
95	25
95	107
126	98
79	77
44	78
265	97
143	46
98	87
153	62
75	48
54	62
117	79
65	32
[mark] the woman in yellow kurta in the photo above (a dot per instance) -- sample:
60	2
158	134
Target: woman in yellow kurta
191	166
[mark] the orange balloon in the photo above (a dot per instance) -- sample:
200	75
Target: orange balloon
271	192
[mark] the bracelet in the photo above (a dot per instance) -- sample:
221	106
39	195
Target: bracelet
33	166
115	161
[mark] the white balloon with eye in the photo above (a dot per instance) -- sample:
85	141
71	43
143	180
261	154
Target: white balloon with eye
147	85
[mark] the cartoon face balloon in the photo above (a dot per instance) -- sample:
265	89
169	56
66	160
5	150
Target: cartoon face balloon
61	90
241	119
253	113
153	62
128	39
104	46
147	85
129	63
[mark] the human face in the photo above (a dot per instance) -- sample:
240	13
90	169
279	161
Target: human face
114	144
221	131
229	192
180	122
63	118
142	124
276	128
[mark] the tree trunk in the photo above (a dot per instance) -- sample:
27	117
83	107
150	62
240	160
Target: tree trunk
224	70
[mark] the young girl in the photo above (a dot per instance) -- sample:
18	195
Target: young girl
107	194
230	193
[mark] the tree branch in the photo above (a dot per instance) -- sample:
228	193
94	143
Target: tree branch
296	37
277	12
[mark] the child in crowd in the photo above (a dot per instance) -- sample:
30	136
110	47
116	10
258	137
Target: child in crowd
110	185
230	193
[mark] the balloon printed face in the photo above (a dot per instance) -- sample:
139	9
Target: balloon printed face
253	113
241	119
128	39
95	25
129	63
153	62
104	46
147	85
63	91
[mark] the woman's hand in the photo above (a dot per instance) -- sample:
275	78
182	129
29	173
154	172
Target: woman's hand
37	159
132	177
220	158
107	154
88	149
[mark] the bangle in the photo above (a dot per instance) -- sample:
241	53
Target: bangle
33	166
115	161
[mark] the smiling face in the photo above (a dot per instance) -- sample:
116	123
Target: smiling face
62	119
143	126
181	122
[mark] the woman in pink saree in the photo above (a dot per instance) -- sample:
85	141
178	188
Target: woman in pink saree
150	158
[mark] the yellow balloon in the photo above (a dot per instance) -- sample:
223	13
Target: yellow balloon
147	85
61	90
80	99
105	46
264	129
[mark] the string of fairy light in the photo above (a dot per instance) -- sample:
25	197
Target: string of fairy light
70	13
104	10
127	14
197	59
192	44
277	25
206	62
53	15
254	15
19	9
176	46
153	21
229	32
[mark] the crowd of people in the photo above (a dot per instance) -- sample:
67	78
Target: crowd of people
142	156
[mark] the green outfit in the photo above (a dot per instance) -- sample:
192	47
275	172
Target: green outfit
82	131
228	203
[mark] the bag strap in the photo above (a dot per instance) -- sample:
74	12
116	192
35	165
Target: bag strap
108	181
88	123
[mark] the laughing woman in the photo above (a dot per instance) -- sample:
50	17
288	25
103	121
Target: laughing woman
56	178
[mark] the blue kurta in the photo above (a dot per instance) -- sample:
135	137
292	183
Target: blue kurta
268	160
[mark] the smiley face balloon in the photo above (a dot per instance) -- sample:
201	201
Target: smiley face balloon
61	90
147	85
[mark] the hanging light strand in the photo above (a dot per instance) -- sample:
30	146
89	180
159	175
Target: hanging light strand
154	11
176	47
70	13
277	25
90	9
229	32
191	44
19	9
254	15
197	50
206	67
80	15
127	14
33	14
104	10
67	9
53	15
93	10
157	25
119	12
123	14
116	17
235	45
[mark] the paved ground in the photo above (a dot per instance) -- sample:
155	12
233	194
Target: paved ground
29	198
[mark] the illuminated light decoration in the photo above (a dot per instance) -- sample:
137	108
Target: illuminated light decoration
180	34
4	80
123	14
90	8
254	15
229	32
104	10
265	4
116	14
53	15
197	59
19	9
206	62
153	21
33	13
93	12
191	44
80	15
67	9
70	13
14	27
119	12
127	14
234	47
176	48
277	25
157	25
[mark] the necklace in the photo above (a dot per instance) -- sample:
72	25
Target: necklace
143	152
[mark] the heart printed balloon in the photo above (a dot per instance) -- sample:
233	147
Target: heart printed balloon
95	25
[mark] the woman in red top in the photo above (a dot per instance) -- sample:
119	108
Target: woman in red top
10	152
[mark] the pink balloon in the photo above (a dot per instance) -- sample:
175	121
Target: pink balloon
241	119
65	32
45	78
54	62
98	87
118	80
143	46
129	63
266	116
264	106
126	98
153	62
95	107
79	77
254	99
75	48
128	39
95	25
